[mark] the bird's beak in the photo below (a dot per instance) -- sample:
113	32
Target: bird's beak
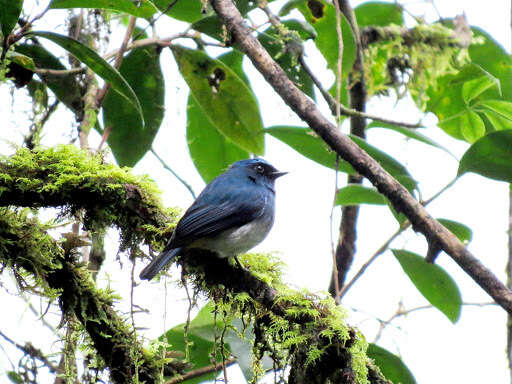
277	174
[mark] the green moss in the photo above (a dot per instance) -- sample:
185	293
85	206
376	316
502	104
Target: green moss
105	194
421	56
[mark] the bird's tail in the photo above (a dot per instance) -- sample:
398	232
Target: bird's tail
158	263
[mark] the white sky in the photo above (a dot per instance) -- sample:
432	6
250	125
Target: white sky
472	351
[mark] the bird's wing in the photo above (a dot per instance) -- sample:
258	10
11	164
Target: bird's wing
210	218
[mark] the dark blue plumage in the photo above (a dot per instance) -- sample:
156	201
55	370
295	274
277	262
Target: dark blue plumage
234	213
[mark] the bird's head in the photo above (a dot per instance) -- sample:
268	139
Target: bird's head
258	170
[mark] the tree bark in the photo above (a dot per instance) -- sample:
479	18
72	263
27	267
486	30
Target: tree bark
438	237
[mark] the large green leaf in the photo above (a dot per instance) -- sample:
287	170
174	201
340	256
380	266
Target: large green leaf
65	87
497	120
471	126
492	57
433	282
378	13
473	88
392	367
201	335
411	133
145	8
285	52
194	10
129	139
357	194
322	16
490	156
9	14
448	103
394	167
463	232
501	107
212	152
308	144
96	63
224	98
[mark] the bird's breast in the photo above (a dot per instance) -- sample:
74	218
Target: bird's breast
239	240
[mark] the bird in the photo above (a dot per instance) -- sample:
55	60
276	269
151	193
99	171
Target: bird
233	213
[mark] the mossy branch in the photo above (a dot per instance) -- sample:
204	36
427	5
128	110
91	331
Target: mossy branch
310	330
26	247
69	178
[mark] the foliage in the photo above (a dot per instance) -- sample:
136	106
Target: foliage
466	86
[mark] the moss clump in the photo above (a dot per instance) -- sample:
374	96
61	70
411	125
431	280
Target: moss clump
105	194
297	328
411	61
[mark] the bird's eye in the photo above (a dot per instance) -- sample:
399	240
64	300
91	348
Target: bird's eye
259	169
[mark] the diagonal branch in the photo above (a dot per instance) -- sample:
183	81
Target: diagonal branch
438	237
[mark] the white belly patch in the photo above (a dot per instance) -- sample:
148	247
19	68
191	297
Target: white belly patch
237	240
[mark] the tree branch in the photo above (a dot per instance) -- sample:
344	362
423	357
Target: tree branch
438	237
25	245
346	247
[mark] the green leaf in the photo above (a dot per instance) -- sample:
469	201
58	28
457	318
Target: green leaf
392	367
473	88
461	231
15	377
490	156
20	59
211	152
322	16
357	194
447	100
499	122
285	52
201	333
472	126
224	98
189	11
411	133
387	162
11	10
194	10
378	13
501	107
145	9
308	144
65	87
129	139
96	63
433	282
493	58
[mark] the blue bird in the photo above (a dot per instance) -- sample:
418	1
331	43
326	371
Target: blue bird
234	213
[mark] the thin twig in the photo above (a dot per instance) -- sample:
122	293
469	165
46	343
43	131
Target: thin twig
201	371
32	351
166	166
119	58
401	311
339	65
406	224
377	253
331	102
